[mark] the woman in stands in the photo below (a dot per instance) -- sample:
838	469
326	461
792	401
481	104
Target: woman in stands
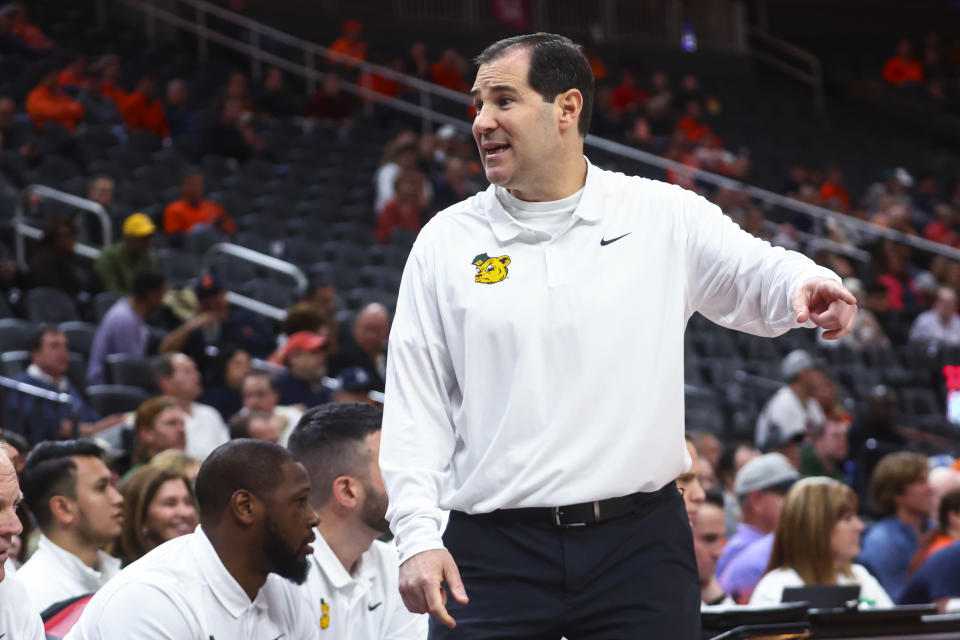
816	541
158	505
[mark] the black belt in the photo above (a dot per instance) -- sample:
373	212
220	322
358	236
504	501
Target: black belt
576	515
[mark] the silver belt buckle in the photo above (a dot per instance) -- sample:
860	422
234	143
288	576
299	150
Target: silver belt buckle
558	523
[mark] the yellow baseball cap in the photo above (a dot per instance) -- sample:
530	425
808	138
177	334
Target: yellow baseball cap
139	225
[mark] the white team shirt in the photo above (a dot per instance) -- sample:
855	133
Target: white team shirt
182	591
53	574
769	591
205	430
18	620
784	410
561	382
364	605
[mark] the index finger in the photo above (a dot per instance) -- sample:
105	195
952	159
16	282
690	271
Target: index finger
435	605
841	293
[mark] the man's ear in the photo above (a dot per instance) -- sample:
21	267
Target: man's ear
571	104
246	507
63	509
345	492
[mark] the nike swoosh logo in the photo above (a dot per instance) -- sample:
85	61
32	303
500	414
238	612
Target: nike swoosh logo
604	243
371	607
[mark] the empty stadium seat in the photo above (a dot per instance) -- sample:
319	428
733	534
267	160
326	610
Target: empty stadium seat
107	399
15	334
102	303
13	363
79	335
131	371
49	305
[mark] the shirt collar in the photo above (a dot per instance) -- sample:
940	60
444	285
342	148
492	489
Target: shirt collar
108	564
334	570
38	374
224	586
506	228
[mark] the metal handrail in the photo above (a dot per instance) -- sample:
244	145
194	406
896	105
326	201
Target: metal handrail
59	398
259	259
814	78
310	50
24	230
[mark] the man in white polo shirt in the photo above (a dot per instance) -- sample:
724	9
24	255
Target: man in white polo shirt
178	378
18	620
535	371
236	576
70	491
353	582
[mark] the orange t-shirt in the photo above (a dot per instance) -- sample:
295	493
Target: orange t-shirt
181	217
447	77
693	129
32	36
140	112
898	71
114	92
44	106
378	84
838	191
356	50
69	79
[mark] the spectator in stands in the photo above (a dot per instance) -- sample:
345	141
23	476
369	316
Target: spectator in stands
734	456
73	77
224	391
48	370
939	326
945	533
352	572
19	620
901	497
659	108
233	135
827	449
708	447
380	85
192	210
349	47
709	537
711	156
119	265
181	118
354	384
216	324
690	89
628	97
56	265
418	64
123	328
368	351
46	103
936	581
178	378
276	99
178	462
109	66
903	69
322	296
689	484
692	124
143	111
833	193
68	489
102	190
867	332
760	486
331	104
942	228
158	506
99	109
817	540
260	394
893	187
792	410
305	356
454	186
258	425
449	71
29	33
405	210
400	157
238	89
158	425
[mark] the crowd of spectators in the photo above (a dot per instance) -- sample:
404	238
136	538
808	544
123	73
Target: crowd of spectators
933	76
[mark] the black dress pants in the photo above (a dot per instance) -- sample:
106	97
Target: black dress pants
630	577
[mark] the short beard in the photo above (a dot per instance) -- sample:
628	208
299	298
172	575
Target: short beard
285	561
374	510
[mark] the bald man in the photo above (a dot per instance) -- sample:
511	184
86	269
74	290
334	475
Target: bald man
15	621
368	351
236	576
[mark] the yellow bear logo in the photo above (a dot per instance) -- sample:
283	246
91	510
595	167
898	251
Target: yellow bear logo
490	270
325	614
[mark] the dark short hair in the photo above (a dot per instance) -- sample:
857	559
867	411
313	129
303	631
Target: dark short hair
238	465
190	171
714	497
557	64
266	376
163	365
147	282
329	441
50	471
15	440
240	423
890	478
36	338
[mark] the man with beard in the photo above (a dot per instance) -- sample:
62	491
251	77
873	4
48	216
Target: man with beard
236	575
353	585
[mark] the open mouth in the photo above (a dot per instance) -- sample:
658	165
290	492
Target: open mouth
494	149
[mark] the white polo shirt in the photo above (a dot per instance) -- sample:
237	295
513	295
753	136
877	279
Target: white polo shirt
53	574
182	591
18	620
205	430
527	369
365	605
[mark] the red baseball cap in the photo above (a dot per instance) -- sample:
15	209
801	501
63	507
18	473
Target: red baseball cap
304	341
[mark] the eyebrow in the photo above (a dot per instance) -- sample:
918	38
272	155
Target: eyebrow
496	87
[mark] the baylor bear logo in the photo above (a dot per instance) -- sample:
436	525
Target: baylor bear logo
490	270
